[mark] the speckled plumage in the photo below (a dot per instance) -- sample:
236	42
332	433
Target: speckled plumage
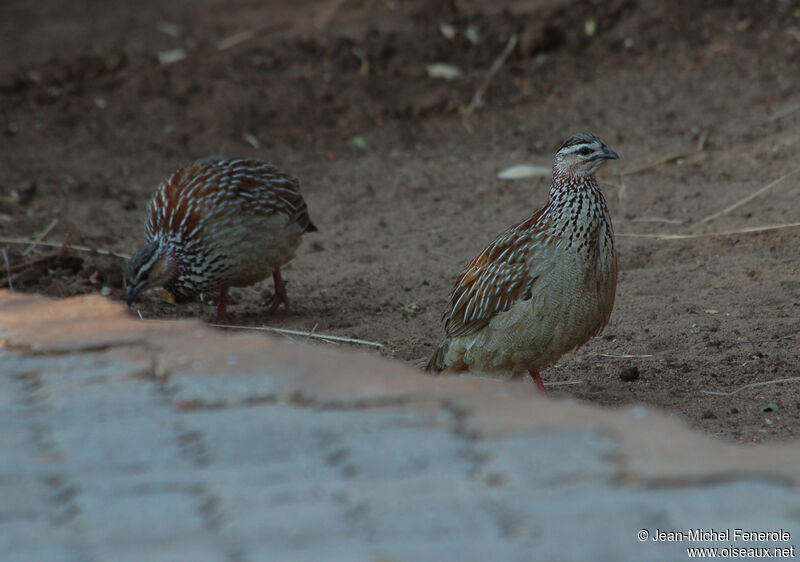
545	285
219	223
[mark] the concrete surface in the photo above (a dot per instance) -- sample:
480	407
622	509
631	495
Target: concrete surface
136	440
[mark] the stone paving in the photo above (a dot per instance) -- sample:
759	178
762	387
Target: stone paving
132	440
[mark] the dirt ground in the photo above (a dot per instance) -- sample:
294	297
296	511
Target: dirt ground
96	110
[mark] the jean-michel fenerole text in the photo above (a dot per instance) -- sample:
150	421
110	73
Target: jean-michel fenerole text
726	535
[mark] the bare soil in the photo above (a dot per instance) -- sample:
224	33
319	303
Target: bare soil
404	192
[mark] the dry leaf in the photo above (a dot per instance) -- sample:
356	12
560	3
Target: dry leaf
443	70
171	56
521	171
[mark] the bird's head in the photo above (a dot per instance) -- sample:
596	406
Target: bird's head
582	155
150	266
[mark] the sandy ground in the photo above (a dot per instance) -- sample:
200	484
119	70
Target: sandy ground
702	103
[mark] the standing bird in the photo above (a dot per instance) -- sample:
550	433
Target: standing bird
545	285
218	223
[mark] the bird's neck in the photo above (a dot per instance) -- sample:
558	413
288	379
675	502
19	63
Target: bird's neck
566	184
576	199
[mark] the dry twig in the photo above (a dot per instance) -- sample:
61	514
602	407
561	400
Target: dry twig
761	340
63	249
477	97
750	197
248	35
747	230
563	383
751	385
326	15
284	331
30	263
785	112
40	237
657	219
622	189
236	39
69	246
701	144
8	269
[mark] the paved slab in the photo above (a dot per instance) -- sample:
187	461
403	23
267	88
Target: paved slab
130	440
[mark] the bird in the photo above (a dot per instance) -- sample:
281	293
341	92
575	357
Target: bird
545	285
217	223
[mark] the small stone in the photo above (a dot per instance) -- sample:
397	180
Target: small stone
495	479
171	56
629	374
708	415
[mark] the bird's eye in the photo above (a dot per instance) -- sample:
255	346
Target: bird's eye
584	151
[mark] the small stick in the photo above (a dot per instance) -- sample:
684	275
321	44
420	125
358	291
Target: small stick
750	197
751	385
622	190
313	330
562	383
327	14
498	63
43	258
748	230
701	144
785	112
285	331
443	254
236	39
8	269
71	247
657	164
623	356
248	35
761	340
657	219
40	237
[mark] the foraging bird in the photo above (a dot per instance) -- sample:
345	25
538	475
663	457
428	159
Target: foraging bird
546	285
219	223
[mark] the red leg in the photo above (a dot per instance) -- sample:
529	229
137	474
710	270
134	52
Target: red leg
222	314
279	296
538	380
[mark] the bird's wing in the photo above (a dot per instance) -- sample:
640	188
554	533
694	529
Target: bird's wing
264	189
497	278
227	185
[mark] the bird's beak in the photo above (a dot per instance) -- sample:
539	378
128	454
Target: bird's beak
131	292
609	154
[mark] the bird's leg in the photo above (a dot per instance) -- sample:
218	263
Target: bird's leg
222	314
279	296
538	380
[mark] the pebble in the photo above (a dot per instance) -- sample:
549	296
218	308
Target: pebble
629	374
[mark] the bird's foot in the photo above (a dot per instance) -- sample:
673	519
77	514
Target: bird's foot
279	296
222	313
538	380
